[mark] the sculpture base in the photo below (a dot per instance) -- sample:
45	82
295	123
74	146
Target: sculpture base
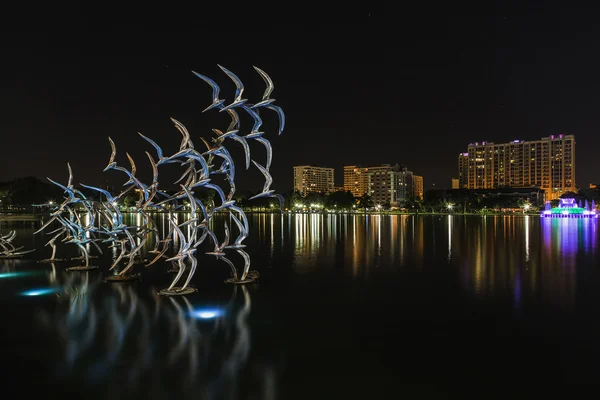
82	258
122	278
253	275
7	256
240	281
82	268
49	260
176	291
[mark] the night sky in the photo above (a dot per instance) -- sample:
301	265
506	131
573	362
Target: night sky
369	87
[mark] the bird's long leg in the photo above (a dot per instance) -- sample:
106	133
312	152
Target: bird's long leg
85	254
233	269
123	248
246	263
53	250
179	273
192	270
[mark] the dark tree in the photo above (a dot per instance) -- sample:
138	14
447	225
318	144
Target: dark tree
365	201
339	200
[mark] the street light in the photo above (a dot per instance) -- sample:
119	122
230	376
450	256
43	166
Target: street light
450	206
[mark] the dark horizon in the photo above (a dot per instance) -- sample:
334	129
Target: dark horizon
367	90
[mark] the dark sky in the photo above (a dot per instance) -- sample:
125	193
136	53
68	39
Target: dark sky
368	87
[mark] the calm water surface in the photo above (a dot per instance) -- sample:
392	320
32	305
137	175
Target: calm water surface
347	307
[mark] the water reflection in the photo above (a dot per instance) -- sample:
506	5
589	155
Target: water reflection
493	255
365	241
449	238
133	343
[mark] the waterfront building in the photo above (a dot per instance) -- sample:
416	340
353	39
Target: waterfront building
308	178
385	183
548	163
418	187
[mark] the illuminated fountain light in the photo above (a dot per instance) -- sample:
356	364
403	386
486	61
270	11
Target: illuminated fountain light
568	208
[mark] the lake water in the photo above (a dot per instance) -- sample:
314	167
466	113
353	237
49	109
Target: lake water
347	306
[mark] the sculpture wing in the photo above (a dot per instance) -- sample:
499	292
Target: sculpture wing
281	115
268	81
157	147
239	87
215	87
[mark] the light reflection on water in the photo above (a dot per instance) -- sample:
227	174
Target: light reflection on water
135	344
126	335
491	254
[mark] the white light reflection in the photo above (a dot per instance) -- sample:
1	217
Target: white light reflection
86	220
356	253
378	219
272	223
449	238
527	238
207	313
281	228
314	230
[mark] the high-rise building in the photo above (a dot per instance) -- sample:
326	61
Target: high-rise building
384	183
463	170
390	184
356	180
548	163
418	187
308	178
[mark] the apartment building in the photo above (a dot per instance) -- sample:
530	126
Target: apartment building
548	163
309	178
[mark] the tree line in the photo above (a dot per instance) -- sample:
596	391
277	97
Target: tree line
22	193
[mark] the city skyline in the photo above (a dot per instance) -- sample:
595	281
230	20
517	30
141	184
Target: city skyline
356	90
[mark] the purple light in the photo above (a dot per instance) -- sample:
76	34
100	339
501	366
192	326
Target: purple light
547	212
567	202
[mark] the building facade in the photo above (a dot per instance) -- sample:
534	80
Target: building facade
418	187
455	183
463	170
548	163
308	178
385	184
356	180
